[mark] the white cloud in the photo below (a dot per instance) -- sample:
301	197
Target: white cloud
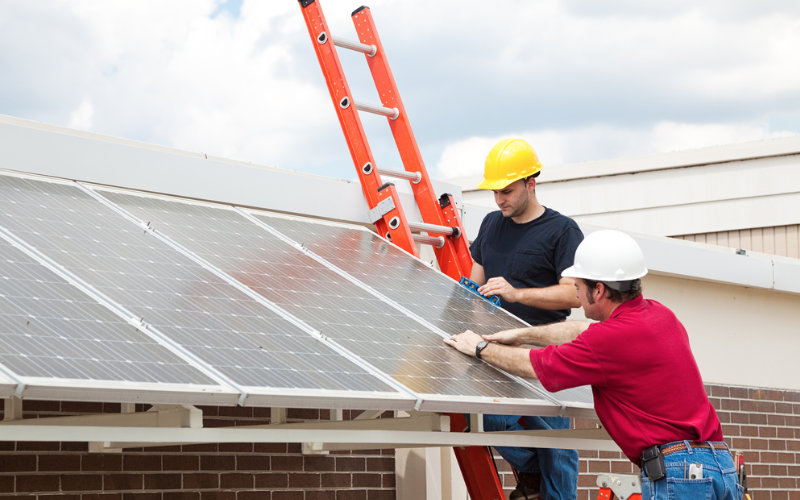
581	80
81	118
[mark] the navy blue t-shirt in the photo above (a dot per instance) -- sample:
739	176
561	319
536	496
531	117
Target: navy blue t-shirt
529	255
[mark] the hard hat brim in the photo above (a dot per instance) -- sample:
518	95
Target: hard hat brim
496	185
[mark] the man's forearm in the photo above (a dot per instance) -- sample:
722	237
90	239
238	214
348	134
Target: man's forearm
550	298
551	334
514	360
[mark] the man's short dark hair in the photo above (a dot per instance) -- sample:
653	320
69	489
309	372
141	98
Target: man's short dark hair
618	291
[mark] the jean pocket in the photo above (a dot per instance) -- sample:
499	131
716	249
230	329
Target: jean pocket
695	489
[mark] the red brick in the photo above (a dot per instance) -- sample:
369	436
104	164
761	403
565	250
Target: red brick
81	482
236	481
286	463
59	463
6	484
336	480
319	463
271	480
180	462
101	462
218	495
304	480
351	495
162	481
141	496
366	480
196	448
37	446
253	462
380	464
287	495
253	495
17	462
122	482
380	495
200	481
218	462
142	463
180	495
39	484
350	464
321	495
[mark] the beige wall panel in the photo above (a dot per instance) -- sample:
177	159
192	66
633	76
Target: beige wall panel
740	336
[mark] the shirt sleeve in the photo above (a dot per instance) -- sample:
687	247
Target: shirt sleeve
475	249
565	250
568	365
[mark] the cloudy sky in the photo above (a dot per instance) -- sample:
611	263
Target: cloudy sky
580	79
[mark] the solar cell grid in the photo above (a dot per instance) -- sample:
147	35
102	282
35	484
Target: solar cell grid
49	328
409	282
342	311
195	308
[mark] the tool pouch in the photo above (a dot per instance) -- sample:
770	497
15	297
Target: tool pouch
653	463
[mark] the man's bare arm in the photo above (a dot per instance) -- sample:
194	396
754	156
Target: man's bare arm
560	296
514	360
542	335
477	274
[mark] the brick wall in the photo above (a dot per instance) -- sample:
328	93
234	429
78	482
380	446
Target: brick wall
236	471
763	424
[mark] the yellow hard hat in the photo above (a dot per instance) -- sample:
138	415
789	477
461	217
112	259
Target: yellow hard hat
508	161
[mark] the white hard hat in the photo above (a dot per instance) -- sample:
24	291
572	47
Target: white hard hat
607	255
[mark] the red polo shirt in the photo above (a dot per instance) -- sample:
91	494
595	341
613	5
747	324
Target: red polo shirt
646	385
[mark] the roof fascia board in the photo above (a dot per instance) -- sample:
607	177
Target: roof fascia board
37	148
693	260
776	147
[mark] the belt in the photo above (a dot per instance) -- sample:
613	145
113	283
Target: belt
672	448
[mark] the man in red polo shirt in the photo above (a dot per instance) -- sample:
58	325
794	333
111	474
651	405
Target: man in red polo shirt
647	389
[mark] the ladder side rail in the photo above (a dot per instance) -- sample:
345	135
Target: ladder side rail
477	466
391	220
454	258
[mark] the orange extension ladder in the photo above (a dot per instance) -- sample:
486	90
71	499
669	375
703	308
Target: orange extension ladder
441	220
440	217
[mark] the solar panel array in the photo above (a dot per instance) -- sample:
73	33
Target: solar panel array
123	296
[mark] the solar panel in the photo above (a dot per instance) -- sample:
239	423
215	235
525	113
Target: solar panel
406	281
50	331
188	305
364	324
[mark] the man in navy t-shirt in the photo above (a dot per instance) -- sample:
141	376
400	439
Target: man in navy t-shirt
518	255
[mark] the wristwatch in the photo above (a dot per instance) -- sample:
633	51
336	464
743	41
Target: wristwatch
481	346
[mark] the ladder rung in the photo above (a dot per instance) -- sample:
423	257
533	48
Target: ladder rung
436	241
431	228
369	50
414	177
391	113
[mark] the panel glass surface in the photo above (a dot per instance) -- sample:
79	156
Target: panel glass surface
405	280
354	318
196	309
51	329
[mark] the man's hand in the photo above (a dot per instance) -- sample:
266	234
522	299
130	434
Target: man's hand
507	337
499	286
465	342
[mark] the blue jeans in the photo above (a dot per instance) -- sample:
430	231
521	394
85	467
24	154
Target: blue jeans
559	468
719	478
